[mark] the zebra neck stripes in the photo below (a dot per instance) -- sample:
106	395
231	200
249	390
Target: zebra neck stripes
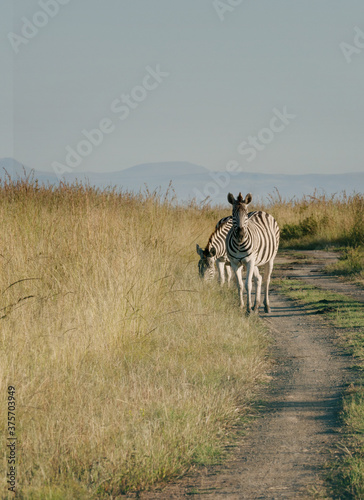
261	239
215	251
217	239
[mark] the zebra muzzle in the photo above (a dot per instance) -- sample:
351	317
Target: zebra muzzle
240	233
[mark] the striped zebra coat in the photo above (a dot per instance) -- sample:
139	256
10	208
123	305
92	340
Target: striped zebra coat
215	253
252	241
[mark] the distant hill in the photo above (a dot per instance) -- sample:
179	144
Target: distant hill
194	181
166	169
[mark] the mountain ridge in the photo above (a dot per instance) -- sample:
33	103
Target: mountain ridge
195	181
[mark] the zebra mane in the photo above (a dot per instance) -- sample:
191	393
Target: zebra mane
216	232
209	243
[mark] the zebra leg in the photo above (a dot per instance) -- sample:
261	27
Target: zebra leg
228	272
248	286
267	274
221	270
239	281
257	278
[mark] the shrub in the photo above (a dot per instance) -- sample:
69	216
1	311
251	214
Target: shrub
307	227
350	263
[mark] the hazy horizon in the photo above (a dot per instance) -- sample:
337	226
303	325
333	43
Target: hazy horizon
174	162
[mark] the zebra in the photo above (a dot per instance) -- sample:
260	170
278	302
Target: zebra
253	240
215	252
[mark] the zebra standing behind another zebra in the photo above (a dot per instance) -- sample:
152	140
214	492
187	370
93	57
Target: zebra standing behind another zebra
253	241
215	252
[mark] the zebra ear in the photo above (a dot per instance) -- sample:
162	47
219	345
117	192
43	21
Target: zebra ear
231	199
248	199
199	250
213	252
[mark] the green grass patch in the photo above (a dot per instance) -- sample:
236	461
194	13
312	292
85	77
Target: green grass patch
347	474
344	312
350	264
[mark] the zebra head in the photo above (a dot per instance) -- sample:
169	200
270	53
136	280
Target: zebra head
240	214
206	264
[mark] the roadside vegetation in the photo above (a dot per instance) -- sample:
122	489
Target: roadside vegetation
350	264
347	315
322	222
319	221
127	369
336	223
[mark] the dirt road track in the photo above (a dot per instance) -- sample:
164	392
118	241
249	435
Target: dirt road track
310	271
285	452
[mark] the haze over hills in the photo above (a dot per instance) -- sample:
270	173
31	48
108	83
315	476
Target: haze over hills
195	181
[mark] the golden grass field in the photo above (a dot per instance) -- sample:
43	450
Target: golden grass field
128	369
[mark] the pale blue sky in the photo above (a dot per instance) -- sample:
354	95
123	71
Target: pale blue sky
225	79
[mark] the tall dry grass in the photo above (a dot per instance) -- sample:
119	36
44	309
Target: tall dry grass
127	368
319	220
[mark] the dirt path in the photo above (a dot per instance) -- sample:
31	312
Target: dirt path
309	270
285	451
